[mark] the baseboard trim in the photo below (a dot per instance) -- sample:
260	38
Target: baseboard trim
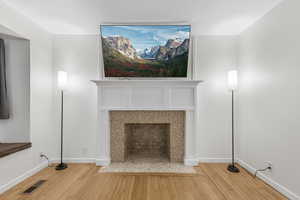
214	160
283	190
22	177
74	160
102	162
105	162
191	162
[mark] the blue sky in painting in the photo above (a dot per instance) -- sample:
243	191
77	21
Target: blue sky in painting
147	36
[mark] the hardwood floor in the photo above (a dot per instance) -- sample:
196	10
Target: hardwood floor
83	182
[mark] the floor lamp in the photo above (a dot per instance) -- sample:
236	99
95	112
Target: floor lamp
62	79
232	85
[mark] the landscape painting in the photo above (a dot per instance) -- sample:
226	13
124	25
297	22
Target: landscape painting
145	51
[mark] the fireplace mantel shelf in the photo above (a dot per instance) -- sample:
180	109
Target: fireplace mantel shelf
153	82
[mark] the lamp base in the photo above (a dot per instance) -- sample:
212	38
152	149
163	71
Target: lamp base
61	166
232	168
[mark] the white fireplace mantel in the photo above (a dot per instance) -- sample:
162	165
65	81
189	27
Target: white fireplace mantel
147	95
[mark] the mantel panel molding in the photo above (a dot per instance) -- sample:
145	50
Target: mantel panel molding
151	95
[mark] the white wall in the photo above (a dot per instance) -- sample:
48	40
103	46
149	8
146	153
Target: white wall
42	136
16	128
216	55
79	56
269	97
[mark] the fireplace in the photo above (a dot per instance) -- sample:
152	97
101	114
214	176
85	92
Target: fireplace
138	105
140	135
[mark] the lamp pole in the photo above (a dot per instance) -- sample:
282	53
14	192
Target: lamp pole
232	79
232	124
62	77
62	126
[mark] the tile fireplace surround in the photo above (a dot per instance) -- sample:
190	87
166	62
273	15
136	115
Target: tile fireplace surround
121	102
119	119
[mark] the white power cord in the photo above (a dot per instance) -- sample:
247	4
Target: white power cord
262	170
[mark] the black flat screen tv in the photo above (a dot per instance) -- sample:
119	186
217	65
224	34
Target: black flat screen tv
143	51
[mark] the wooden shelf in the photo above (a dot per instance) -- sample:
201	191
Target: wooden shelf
10	148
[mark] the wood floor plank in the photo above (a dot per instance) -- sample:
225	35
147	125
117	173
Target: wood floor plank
140	189
226	188
124	188
84	182
206	188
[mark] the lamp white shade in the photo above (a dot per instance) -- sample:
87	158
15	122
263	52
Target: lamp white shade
62	79
232	80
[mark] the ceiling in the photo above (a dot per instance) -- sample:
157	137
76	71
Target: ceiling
208	17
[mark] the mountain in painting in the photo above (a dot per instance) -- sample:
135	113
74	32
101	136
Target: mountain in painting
123	45
170	50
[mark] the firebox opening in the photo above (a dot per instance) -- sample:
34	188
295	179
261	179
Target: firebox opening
147	142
